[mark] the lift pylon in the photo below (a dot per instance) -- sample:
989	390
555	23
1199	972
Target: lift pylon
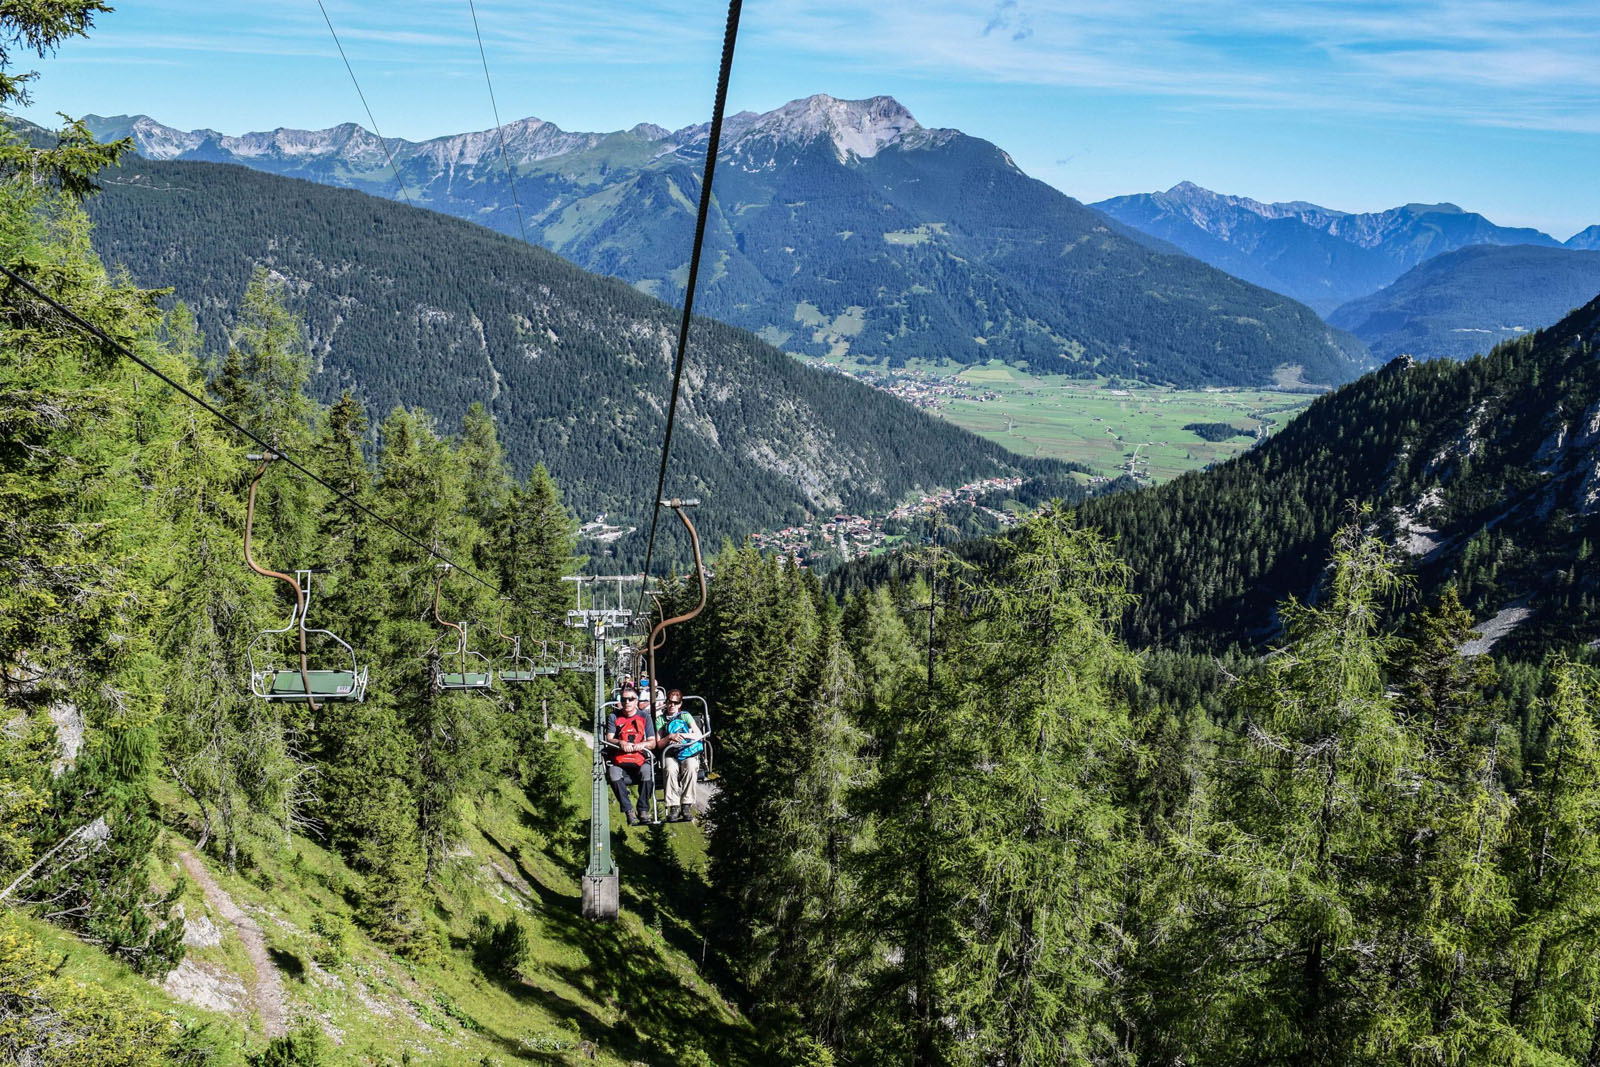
601	885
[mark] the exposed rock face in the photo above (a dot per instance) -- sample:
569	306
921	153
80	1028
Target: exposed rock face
68	722
860	128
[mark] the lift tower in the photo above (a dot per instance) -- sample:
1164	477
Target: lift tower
601	891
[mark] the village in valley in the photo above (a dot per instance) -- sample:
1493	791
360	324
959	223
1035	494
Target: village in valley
840	538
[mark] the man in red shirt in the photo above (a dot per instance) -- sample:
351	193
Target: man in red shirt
630	741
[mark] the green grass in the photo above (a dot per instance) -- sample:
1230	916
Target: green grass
634	990
1112	431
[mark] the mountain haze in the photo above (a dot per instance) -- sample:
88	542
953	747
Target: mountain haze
1318	255
839	226
1585	240
1471	299
413	307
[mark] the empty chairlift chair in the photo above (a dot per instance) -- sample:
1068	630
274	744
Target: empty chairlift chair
270	677
519	669
472	670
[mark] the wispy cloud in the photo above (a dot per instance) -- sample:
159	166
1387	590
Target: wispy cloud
1525	64
1480	61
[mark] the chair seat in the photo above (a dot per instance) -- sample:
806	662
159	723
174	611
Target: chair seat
517	676
469	680
325	685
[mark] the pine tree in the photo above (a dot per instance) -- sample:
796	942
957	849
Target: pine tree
82	559
1031	781
1290	895
1553	864
1442	999
533	549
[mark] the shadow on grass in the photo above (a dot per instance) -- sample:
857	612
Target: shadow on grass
643	1001
288	963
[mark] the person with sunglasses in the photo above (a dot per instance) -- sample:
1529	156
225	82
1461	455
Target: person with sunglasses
683	748
630	739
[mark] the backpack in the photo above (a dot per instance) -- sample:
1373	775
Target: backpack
693	748
630	728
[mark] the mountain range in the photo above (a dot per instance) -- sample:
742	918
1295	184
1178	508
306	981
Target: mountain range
1321	256
413	307
1468	300
838	227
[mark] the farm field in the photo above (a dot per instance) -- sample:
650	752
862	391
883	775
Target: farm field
1111	427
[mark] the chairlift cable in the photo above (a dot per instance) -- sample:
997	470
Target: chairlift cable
403	194
121	349
499	128
729	34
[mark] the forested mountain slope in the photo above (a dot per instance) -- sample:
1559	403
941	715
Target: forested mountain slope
413	307
1485	472
838	225
1319	255
1469	300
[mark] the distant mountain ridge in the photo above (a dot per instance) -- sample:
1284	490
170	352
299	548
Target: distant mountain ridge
1321	256
838	226
1585	240
1469	300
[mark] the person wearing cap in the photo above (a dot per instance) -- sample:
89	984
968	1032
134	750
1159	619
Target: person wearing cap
683	747
631	739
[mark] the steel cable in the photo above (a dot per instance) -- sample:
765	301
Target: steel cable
376	132
499	128
715	138
121	349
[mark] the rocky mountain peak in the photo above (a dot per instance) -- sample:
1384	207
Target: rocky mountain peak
861	128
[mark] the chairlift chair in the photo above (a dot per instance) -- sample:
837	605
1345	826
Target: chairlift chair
522	669
297	684
473	671
703	720
307	684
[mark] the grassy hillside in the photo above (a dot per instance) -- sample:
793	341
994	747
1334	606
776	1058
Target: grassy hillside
627	992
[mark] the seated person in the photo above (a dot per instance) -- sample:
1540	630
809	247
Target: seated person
631	738
683	747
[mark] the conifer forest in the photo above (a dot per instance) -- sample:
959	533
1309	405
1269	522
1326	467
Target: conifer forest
975	808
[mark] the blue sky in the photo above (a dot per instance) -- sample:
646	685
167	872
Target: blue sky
1356	105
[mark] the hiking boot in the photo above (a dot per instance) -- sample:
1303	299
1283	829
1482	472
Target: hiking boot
633	819
672	814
